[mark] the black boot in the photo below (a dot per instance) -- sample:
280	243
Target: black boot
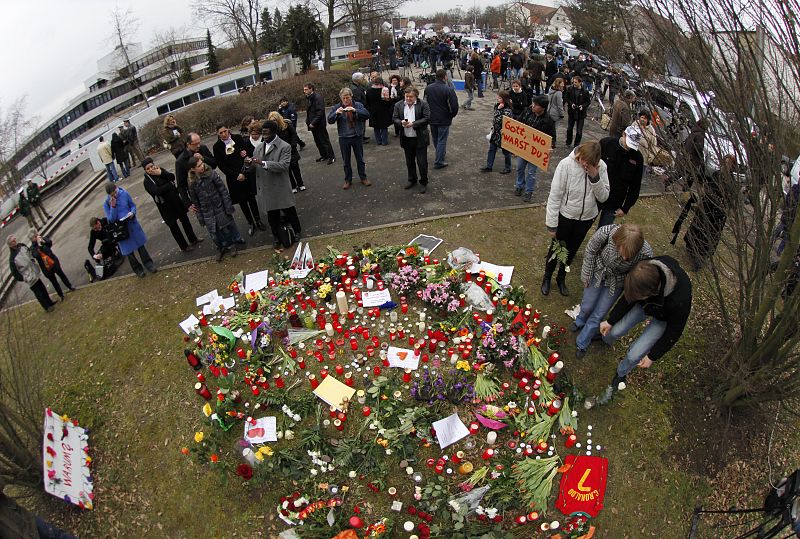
561	279
549	268
546	284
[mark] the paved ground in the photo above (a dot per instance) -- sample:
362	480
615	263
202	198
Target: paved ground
324	207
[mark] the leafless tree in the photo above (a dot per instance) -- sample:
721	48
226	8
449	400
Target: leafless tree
15	127
369	15
171	39
748	55
240	20
124	26
334	14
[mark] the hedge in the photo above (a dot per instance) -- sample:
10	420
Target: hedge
204	116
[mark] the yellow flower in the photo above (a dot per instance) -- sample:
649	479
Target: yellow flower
463	365
198	436
265	450
366	252
207	410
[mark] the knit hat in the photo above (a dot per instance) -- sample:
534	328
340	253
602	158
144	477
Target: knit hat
633	137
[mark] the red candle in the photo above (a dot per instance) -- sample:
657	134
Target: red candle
255	390
292	352
407	376
348	379
570	441
528	451
370	351
332	412
192	359
553	359
201	389
438	469
554	407
313	380
366	411
541	447
353	344
489	453
536	394
458	456
279	383
522	519
522	382
200	377
301	363
323	374
376	371
474	427
404	308
339	370
551	375
338	424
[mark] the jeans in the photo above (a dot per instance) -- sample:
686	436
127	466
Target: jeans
596	302
125	170
641	346
606	218
227	235
576	121
481	83
357	145
381	135
492	152
468	102
526	175
439	134
146	260
516	73
111	171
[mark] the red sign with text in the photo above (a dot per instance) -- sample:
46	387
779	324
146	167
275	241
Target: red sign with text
583	485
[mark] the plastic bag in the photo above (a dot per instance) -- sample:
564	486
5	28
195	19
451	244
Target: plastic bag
462	258
476	297
470	500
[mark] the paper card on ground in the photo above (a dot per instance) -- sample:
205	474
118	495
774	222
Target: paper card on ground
190	324
228	303
263	431
493	270
375	298
426	243
65	448
255	281
402	358
334	392
211	308
296	262
207	297
449	430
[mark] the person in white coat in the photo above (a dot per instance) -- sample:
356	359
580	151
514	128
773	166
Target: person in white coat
579	183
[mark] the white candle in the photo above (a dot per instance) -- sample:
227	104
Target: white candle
421	327
408	525
341	301
329	329
422	316
491	437
545	332
558	366
393	316
370	283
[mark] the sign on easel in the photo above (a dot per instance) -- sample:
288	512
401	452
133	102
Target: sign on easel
65	453
526	142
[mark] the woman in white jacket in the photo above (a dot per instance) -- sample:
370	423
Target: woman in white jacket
579	183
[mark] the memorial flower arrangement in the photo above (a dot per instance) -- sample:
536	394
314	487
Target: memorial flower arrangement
463	348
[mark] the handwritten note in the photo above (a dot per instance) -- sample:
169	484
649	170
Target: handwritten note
449	430
190	324
255	281
263	431
402	358
375	298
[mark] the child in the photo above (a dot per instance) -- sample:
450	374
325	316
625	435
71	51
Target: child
501	110
469	87
213	205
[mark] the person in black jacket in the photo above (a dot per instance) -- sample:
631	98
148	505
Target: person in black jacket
535	116
443	103
315	121
120	154
625	170
193	148
477	65
550	69
108	257
160	184
229	153
412	115
42	250
289	113
659	291
576	101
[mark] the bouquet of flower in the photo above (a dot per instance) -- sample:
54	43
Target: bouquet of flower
441	295
497	344
404	280
452	385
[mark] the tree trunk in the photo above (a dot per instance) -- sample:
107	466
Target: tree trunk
328	32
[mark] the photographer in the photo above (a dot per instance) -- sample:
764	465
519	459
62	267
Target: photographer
160	184
107	258
42	250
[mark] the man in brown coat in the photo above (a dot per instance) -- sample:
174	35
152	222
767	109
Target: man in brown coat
621	113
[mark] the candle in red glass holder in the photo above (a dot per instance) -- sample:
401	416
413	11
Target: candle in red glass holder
467	276
313	380
339	370
407	376
279	383
554	407
200	377
487	454
553	359
541	447
522	519
489	315
536	394
201	389
488	288
194	362
474	427
341	416
348	379
385	361
365	333
401	333
353	344
319	356
531	410
332	412
432	345
528	451
417	349
537	384
522	382
366	411
220	395
241	353
323	374
370	351
404	308
570	441
551	375
338	424
376	371
292	352
301	363
376	342
351	271
255	390
457	457
425	358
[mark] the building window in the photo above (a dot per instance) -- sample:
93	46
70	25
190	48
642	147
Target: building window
227	87
205	94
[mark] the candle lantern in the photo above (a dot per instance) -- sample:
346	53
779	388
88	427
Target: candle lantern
571	440
313	381
201	389
194	362
487	454
554	407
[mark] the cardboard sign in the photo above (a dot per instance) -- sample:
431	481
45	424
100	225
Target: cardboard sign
583	486
65	452
526	142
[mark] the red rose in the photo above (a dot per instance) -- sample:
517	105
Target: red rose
245	471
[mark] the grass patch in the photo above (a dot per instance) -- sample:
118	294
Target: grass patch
115	362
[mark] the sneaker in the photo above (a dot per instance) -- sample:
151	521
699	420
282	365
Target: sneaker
573	327
580	353
527	197
294	191
302	187
518	191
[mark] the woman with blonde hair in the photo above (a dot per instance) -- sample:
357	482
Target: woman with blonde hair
579	183
610	254
174	140
288	134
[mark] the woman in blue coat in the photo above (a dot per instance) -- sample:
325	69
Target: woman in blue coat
119	206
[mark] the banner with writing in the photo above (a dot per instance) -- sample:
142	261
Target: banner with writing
65	452
526	142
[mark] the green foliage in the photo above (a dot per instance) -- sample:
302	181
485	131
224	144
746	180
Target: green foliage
268	36
186	72
211	54
305	34
602	20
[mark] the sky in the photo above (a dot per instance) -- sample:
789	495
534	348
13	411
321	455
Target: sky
52	46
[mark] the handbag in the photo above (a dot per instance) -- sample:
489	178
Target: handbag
118	230
605	122
286	234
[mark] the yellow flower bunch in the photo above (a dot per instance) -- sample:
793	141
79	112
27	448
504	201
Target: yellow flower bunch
324	290
198	436
264	451
463	365
367	252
